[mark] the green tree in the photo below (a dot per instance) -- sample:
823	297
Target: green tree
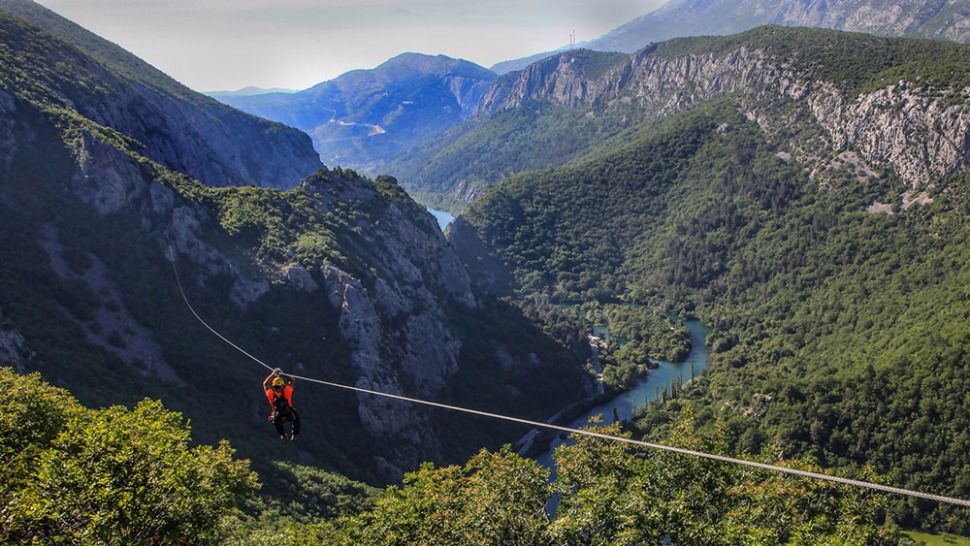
495	499
111	476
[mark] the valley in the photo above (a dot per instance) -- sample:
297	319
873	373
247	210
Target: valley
754	244
660	381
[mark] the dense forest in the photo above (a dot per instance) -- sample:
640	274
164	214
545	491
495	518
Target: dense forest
72	474
840	334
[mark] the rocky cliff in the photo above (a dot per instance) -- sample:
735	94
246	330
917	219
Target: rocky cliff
924	18
939	19
342	278
569	79
840	104
69	67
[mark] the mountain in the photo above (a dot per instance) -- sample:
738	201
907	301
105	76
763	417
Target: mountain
942	19
856	98
247	92
451	170
804	192
341	277
180	128
366	116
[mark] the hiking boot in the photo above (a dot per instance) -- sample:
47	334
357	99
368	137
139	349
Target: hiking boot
293	437
283	437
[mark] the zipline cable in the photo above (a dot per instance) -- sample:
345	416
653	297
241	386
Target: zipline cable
178	279
537	424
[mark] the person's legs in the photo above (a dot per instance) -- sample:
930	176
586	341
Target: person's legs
296	424
278	425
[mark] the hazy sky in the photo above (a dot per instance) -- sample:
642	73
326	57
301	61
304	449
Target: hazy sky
228	44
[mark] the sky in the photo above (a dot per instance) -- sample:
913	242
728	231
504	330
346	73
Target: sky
229	44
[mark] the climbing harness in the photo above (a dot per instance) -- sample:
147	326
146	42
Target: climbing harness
589	433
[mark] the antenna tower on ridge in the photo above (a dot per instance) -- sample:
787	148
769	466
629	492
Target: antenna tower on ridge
572	39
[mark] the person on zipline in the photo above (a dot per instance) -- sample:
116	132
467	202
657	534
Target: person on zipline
279	393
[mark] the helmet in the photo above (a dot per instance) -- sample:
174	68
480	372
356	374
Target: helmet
277	381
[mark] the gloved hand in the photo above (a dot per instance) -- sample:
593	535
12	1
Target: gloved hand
277	371
272	417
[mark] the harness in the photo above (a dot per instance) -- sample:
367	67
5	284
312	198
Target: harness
280	405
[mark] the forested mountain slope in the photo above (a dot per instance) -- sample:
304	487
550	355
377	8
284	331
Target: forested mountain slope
67	65
364	117
342	277
940	19
832	101
71	476
838	303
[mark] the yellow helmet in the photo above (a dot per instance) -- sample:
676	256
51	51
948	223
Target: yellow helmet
277	381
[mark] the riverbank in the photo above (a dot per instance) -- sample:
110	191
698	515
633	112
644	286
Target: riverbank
536	442
621	406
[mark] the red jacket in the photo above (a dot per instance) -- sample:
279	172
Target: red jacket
271	396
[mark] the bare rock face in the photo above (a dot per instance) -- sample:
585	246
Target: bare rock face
13	347
907	128
110	181
937	19
558	78
299	278
914	130
393	318
175	126
948	19
106	178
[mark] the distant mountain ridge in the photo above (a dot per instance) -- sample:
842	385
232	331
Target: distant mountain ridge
895	102
363	117
943	19
182	129
246	92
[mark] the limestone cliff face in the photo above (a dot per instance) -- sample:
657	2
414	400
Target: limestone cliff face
393	318
389	297
915	130
13	347
570	79
391	311
926	18
555	78
55	62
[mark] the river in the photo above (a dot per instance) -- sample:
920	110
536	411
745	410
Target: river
645	390
442	216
